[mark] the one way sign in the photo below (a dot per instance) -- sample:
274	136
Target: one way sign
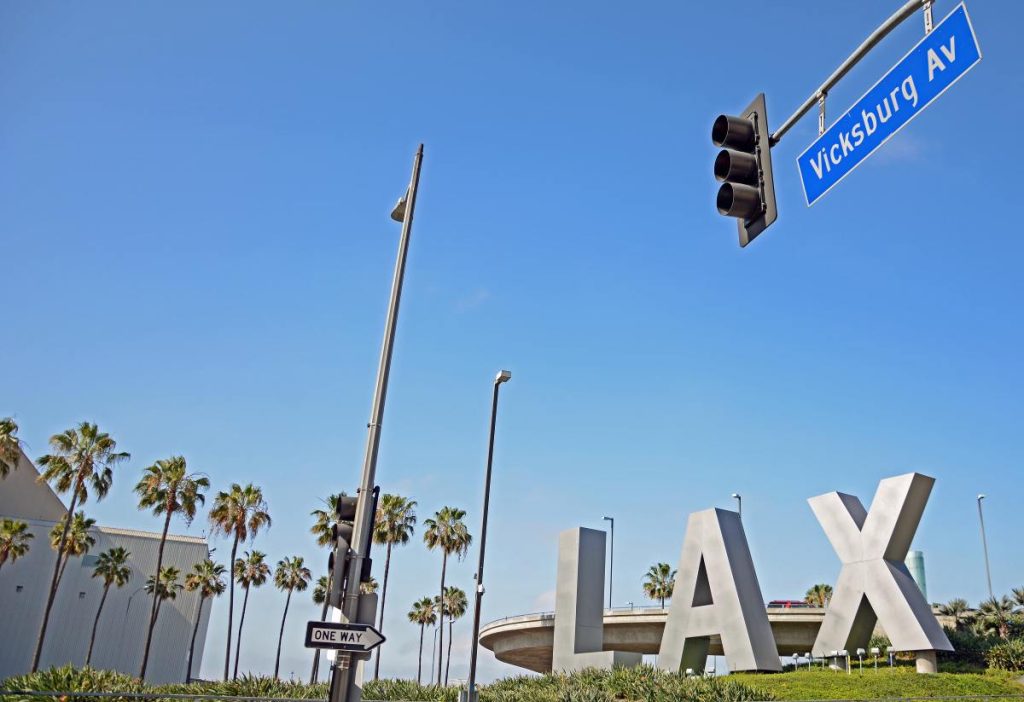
356	638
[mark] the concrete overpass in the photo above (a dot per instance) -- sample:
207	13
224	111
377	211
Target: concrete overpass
526	640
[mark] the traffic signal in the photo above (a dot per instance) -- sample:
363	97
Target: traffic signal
744	165
337	562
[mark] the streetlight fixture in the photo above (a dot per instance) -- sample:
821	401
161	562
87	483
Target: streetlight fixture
502	377
611	561
346	676
739	503
984	547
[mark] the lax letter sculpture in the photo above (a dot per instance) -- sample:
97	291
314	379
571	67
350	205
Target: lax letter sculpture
874	583
579	605
717	592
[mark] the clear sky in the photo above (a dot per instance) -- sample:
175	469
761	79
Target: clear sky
197	252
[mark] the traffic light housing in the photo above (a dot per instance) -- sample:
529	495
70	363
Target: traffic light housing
337	561
744	166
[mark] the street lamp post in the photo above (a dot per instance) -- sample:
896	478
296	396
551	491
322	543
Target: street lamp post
739	503
346	680
502	377
611	561
984	547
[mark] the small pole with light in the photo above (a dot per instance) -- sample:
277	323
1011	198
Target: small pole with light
739	503
984	546
611	560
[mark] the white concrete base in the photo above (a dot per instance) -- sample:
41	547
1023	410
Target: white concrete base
927	662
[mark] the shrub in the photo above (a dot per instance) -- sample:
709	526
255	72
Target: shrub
70	679
970	647
1008	655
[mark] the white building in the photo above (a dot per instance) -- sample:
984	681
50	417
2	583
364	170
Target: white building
121	635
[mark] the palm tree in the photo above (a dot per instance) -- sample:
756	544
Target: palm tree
14	538
370	587
819	595
424	613
995	615
291	575
251	571
112	566
10	446
956	608
323	526
452	606
659	582
393	526
239	513
165	586
448	532
82	457
167	488
78	541
207	578
1018	596
320	592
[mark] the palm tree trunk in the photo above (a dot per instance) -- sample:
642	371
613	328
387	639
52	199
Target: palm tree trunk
56	574
238	641
231	603
96	623
440	615
280	636
419	667
192	646
383	599
156	595
316	657
448	665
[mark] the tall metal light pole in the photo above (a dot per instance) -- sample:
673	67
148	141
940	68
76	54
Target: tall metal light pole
739	503
984	547
611	561
502	377
346	682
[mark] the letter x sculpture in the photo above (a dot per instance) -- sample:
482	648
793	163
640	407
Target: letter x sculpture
874	583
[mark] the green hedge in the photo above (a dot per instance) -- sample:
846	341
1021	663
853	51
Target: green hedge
644	684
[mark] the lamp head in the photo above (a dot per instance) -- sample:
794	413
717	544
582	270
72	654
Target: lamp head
502	377
610	519
398	213
736	496
981	497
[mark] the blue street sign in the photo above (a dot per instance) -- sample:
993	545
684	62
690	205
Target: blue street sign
938	61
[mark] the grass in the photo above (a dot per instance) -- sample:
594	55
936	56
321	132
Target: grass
900	681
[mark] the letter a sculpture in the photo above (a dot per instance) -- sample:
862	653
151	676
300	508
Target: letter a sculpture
874	583
717	593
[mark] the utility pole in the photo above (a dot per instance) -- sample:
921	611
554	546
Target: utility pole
346	680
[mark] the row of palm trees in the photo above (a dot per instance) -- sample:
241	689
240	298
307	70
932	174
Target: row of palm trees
993	617
427	611
82	462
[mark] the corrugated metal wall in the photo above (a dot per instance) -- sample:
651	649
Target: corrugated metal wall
120	637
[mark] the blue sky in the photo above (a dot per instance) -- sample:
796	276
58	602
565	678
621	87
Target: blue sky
194	221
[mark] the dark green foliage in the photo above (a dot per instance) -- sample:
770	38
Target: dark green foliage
970	647
1008	655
